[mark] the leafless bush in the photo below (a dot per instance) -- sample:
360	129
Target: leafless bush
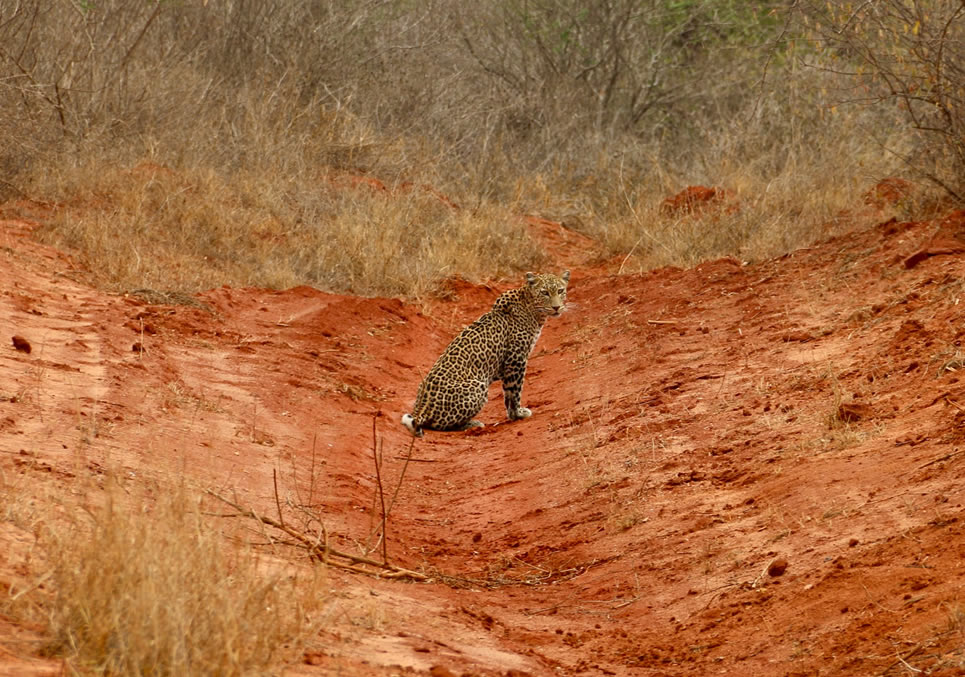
616	65
907	56
550	106
542	81
190	83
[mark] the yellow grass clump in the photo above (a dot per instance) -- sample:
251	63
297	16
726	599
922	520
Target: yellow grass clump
150	227
149	587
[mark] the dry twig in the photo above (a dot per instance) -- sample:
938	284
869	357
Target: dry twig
376	455
325	552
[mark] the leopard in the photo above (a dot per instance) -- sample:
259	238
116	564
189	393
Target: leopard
496	347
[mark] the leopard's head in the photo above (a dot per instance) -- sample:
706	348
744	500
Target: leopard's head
548	292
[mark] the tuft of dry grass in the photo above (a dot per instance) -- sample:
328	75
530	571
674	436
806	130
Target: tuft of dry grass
148	587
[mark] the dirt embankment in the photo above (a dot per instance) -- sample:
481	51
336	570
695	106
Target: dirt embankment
733	469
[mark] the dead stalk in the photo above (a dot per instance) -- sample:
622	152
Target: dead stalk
408	457
378	478
274	479
387	510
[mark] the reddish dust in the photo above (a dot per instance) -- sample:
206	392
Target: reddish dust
734	469
700	200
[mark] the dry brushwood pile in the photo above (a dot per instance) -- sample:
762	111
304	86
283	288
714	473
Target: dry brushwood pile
731	469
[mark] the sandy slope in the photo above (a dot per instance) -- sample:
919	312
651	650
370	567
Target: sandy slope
693	431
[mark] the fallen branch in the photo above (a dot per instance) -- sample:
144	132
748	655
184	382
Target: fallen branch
326	553
274	479
903	661
952	454
953	402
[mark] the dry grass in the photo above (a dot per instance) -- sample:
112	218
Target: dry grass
253	114
793	174
146	586
149	227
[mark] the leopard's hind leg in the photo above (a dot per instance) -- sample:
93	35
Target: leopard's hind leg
453	405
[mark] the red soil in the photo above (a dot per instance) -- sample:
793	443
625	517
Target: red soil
698	200
746	470
888	191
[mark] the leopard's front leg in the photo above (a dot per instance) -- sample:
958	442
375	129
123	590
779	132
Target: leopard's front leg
514	372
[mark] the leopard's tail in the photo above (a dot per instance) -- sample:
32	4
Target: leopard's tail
417	418
415	427
409	423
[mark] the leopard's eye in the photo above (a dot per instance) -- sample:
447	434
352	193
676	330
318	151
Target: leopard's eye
546	292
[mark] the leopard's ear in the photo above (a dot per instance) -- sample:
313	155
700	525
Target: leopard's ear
530	279
565	276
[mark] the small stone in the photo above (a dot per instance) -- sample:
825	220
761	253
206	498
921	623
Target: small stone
777	567
441	671
852	542
21	344
313	658
138	347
